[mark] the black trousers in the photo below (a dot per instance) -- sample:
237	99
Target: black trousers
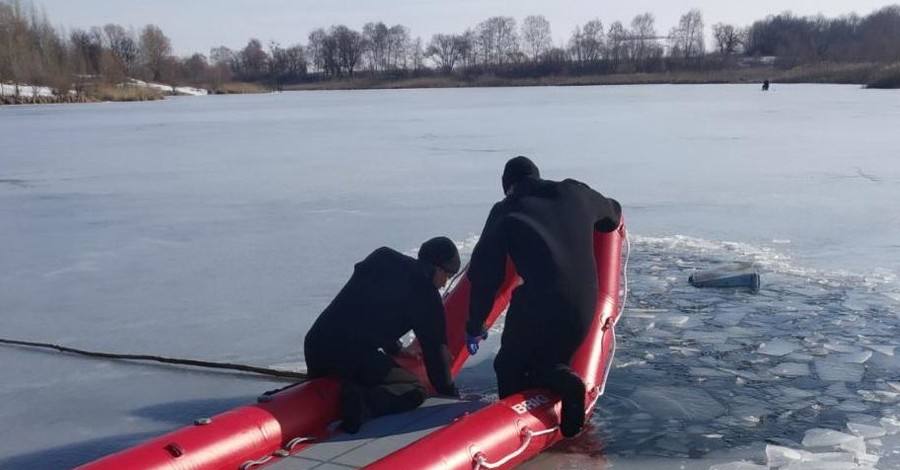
387	387
541	335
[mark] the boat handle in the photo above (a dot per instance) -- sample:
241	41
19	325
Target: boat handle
480	461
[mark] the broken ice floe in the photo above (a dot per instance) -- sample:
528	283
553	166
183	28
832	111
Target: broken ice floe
808	352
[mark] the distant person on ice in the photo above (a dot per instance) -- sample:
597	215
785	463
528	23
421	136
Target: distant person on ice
388	294
765	86
547	229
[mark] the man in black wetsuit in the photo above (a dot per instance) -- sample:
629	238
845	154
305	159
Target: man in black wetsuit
546	228
388	294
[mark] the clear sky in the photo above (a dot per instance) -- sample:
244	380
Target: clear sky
197	25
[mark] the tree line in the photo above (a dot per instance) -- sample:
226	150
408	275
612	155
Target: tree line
32	51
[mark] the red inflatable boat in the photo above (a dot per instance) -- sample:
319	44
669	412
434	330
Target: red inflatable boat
295	428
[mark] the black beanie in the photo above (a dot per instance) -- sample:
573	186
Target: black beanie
516	169
441	252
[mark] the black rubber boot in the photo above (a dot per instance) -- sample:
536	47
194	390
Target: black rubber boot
570	389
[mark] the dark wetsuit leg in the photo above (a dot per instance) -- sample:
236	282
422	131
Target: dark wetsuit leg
540	337
389	388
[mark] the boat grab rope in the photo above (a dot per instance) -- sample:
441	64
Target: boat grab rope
282	453
480	461
451	283
166	360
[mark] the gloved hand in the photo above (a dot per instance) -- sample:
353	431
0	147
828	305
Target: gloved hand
472	341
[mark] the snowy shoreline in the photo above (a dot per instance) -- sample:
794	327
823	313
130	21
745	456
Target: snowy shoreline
11	93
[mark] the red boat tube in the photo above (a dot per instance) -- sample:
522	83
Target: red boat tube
288	421
514	429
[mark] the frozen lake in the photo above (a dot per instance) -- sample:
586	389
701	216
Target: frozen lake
217	228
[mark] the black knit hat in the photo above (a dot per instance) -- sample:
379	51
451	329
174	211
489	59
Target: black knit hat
441	252
516	169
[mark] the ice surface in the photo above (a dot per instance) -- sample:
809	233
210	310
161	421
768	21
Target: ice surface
219	228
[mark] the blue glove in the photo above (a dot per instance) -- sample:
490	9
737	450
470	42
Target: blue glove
472	342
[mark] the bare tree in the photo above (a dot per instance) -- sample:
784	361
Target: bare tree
314	49
687	37
536	35
643	37
586	45
195	69
728	38
253	60
497	39
87	48
617	45
468	49
155	49
417	54
123	45
398	47
349	47
443	49
376	38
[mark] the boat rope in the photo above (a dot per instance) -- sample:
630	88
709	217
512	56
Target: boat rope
166	360
280	453
624	290
480	461
452	282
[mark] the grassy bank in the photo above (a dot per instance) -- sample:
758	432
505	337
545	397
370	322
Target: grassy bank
873	75
238	88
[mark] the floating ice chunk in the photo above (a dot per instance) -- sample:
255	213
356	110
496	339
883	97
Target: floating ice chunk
890	425
820	437
777	347
799	357
676	320
866	431
867	460
819	465
839	390
790	369
685	351
832	371
729	318
738	466
853	406
727	347
842	348
879	396
794	392
712	337
854	358
691	404
707	372
778	456
743	374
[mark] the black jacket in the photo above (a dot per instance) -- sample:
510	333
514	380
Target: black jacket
388	294
546	228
